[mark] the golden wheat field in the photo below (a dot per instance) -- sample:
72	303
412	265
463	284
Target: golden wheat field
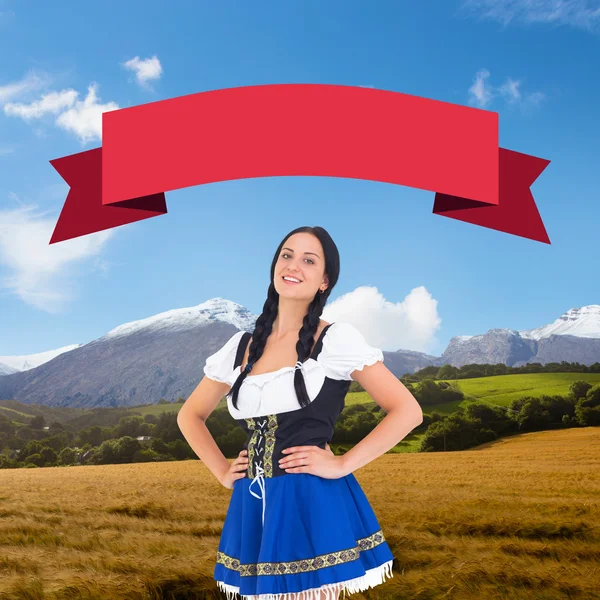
516	518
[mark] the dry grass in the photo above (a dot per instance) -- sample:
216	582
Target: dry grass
515	519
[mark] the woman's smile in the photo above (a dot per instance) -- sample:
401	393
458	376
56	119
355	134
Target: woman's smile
289	282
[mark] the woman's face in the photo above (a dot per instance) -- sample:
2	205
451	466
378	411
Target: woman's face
301	257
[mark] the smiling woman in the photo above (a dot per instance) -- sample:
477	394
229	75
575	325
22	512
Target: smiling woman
298	523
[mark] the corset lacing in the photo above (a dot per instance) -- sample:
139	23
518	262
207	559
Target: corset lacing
259	477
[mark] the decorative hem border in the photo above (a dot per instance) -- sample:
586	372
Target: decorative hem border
303	565
370	579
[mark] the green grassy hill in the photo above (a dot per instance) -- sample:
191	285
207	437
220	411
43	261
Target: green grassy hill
21	413
499	390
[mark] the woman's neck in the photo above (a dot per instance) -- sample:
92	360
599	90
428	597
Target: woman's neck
290	317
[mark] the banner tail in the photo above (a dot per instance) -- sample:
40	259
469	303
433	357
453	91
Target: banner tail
83	212
516	212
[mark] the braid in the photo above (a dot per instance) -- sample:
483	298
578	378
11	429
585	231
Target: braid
262	331
306	341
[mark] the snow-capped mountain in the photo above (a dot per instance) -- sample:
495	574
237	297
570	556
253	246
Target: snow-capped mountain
581	322
24	362
180	319
573	337
162	356
6	370
138	362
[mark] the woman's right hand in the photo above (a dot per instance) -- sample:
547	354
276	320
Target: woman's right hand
237	470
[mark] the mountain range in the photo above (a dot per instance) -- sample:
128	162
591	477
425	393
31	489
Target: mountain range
162	356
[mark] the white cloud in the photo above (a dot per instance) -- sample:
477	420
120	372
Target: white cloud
482	93
51	103
145	70
84	119
80	117
582	14
30	83
510	90
410	324
534	98
40	274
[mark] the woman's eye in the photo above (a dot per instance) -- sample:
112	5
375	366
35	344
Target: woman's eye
312	262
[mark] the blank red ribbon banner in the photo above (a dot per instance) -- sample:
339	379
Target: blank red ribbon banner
299	129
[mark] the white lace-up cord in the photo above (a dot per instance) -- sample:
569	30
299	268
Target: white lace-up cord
261	483
299	365
259	478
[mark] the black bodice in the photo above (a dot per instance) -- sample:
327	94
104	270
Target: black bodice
311	425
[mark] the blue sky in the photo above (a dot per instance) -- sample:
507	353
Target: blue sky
420	278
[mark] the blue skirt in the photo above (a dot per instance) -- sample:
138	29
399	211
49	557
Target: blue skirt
318	535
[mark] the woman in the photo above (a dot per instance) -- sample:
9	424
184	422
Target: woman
298	525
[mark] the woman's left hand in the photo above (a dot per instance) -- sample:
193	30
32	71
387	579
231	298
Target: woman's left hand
313	460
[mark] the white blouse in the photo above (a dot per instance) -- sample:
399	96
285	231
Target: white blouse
344	350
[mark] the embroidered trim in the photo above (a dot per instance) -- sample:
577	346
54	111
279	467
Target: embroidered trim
251	425
370	579
270	445
304	565
257	430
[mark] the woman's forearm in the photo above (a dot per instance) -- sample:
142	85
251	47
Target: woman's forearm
395	426
198	436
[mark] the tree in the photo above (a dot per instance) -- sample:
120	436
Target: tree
447	372
117	451
533	416
167	427
557	407
427	392
587	409
32	447
93	436
67	456
579	388
35	459
455	432
132	426
49	456
146	455
592	398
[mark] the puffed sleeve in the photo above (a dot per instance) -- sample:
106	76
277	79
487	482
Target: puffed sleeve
219	366
345	349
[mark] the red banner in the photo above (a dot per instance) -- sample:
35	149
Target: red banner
299	129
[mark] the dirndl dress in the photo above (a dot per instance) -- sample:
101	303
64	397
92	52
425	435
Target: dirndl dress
296	535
